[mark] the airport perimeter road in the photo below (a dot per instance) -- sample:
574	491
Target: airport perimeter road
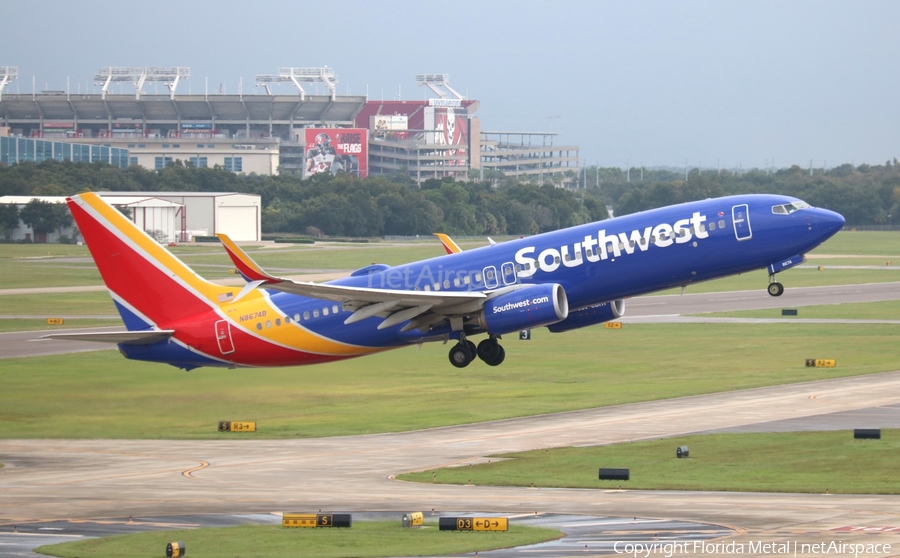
29	343
46	479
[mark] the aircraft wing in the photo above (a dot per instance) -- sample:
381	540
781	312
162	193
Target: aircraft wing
395	306
126	337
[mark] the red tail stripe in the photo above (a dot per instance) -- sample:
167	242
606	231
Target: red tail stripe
130	275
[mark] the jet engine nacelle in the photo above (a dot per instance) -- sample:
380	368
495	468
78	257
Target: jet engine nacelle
533	306
591	315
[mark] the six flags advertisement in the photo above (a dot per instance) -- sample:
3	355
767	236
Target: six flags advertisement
337	150
346	150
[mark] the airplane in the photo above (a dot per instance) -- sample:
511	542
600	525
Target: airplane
562	280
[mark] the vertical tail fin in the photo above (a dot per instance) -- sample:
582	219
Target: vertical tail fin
150	286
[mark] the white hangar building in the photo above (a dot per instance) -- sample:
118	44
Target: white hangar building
208	213
156	216
172	216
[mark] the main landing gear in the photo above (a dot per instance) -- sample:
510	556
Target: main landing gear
775	288
464	352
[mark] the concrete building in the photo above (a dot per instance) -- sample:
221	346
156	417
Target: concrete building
260	156
17	149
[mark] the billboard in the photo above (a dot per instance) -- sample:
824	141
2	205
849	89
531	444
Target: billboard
336	150
448	126
391	127
389	123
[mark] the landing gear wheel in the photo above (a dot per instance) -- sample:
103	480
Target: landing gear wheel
472	349
775	288
461	356
488	349
498	358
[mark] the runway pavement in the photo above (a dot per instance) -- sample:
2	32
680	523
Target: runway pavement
89	479
796	297
67	479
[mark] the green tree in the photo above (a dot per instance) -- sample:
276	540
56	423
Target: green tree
9	219
45	217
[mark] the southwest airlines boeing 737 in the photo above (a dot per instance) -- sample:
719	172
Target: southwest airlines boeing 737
563	280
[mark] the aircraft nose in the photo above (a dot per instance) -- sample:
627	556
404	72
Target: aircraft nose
829	222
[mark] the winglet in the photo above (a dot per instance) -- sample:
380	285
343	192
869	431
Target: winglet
245	265
448	243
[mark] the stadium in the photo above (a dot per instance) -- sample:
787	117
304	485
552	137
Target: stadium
271	133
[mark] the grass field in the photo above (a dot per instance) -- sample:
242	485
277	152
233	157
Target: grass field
329	256
888	263
796	277
886	310
255	541
102	395
28	324
48	273
35	266
770	462
52	265
862	243
95	303
59	304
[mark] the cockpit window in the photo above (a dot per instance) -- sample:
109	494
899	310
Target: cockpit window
789	208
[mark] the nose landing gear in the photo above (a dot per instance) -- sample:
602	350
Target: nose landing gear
775	288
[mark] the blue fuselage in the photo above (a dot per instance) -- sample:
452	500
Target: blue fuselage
594	263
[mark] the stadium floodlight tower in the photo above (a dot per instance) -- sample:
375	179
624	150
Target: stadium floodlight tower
138	76
301	75
433	81
7	74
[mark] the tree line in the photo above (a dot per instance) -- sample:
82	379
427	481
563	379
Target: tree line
383	206
864	194
339	205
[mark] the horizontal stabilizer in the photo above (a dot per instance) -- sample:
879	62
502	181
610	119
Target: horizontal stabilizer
124	337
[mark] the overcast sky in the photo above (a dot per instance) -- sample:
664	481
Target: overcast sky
657	82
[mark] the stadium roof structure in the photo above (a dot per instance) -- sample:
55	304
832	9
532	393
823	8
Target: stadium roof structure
301	75
235	109
139	76
7	74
